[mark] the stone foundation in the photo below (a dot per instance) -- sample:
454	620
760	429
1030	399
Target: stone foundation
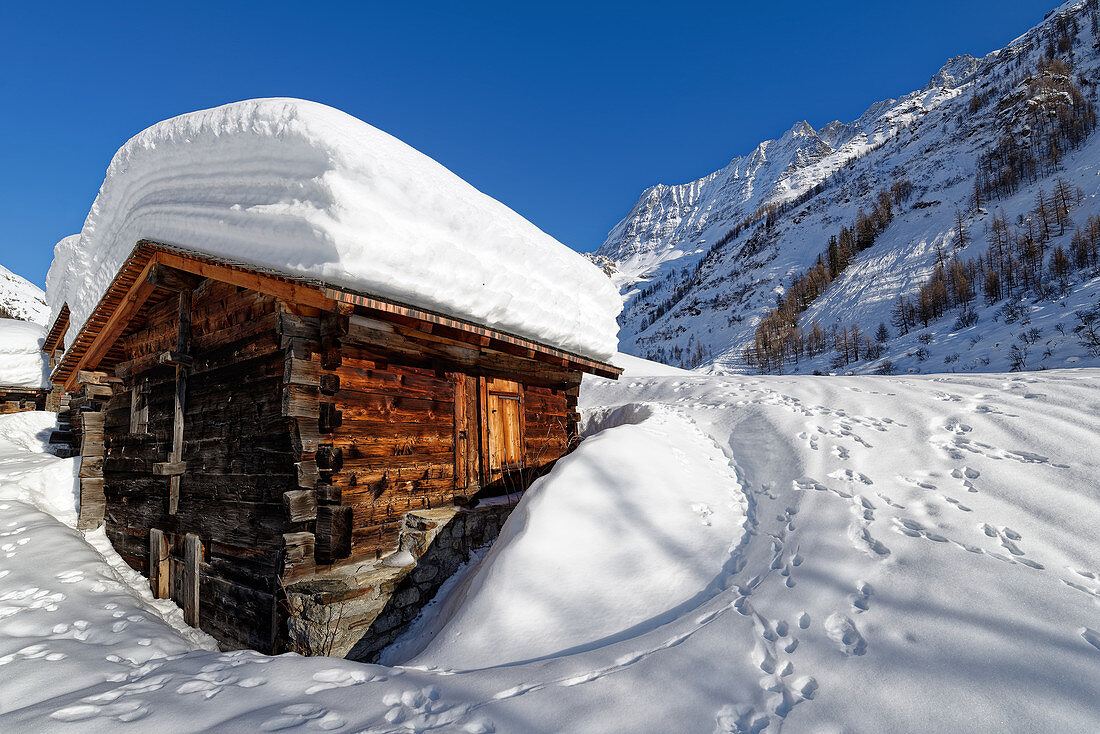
357	611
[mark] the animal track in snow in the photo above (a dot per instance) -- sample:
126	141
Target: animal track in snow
847	475
338	678
844	633
861	600
914	529
297	714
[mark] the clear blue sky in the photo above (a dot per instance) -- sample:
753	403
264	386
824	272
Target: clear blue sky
564	111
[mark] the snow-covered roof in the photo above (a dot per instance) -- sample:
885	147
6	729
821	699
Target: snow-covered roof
22	361
311	191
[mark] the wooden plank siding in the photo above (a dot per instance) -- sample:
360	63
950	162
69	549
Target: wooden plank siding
308	429
236	447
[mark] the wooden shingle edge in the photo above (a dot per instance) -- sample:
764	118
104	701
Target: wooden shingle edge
57	331
309	291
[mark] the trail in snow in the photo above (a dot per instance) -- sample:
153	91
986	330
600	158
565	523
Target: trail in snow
898	554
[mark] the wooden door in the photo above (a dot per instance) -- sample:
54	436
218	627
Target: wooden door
504	417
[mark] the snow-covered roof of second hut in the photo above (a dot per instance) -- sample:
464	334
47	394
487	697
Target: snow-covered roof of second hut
309	190
22	361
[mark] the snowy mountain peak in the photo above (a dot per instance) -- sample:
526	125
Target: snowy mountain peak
956	72
700	265
21	299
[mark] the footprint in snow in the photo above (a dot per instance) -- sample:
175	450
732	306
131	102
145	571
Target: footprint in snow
861	600
293	716
844	633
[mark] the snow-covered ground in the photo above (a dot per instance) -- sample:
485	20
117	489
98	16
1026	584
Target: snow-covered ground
727	554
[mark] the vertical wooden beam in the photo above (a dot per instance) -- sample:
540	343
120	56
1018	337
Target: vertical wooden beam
158	564
192	560
458	381
483	430
473	461
183	342
523	426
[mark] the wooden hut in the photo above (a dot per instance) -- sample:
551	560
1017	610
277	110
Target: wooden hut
22	366
285	458
17	398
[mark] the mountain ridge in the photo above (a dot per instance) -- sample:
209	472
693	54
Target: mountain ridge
700	264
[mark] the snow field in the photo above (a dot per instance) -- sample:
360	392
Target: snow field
884	554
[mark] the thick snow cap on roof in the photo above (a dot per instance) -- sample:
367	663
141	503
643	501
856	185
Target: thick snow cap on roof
22	361
309	190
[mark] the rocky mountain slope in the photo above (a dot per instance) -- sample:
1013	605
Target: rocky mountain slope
701	264
21	299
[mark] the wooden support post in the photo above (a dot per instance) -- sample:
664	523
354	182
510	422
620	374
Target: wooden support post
458	381
192	561
139	408
483	430
158	564
183	341
89	424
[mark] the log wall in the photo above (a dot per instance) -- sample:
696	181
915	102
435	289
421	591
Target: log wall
17	400
238	454
307	437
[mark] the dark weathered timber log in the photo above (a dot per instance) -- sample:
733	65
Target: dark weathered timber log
91	377
292	325
169	468
301	402
226	603
330	417
302	372
298	552
92	503
158	564
308	473
301	505
91	467
192	560
328	494
162	276
334	523
175	359
183	339
305	436
329	458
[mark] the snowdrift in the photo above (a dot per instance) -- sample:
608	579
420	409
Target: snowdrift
624	541
309	190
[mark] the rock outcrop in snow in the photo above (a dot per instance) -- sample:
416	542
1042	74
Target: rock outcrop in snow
311	191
